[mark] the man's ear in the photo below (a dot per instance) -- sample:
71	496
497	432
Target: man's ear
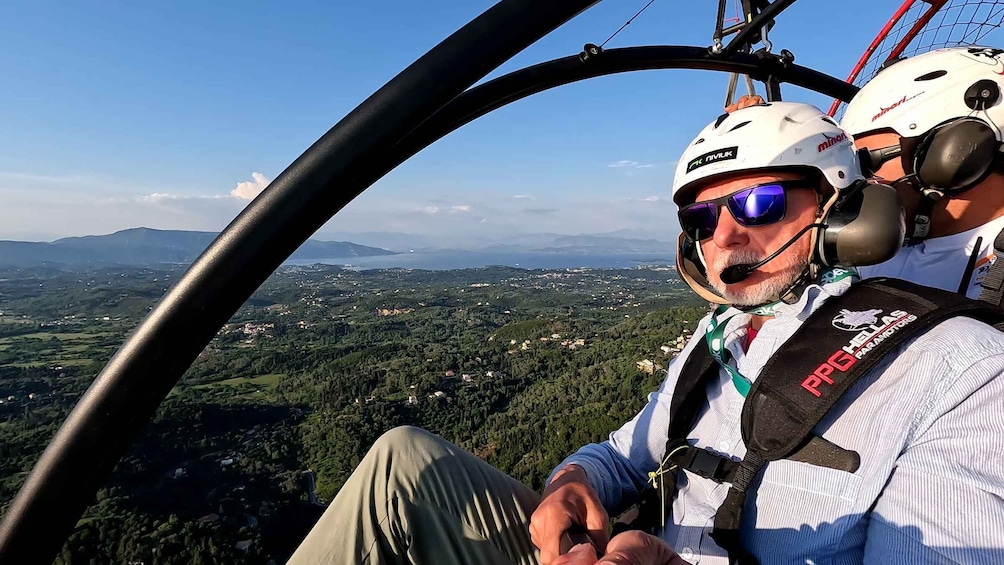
824	193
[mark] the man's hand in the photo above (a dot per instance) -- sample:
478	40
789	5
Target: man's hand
568	500
744	101
629	548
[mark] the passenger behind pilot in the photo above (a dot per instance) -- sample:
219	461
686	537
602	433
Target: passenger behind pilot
938	116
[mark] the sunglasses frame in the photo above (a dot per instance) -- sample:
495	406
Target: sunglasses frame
722	202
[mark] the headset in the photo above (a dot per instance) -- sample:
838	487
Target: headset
953	156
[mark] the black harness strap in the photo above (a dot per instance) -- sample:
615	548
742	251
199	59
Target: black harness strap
837	346
722	469
698	371
993	283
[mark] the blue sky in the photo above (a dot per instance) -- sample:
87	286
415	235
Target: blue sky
121	114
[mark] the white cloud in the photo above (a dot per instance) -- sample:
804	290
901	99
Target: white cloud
628	164
52	179
248	190
460	209
653	199
524	197
429	210
158	197
172	198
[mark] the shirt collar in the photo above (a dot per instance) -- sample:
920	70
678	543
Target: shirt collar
829	284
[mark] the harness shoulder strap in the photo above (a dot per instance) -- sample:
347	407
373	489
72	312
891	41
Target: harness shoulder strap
699	369
837	346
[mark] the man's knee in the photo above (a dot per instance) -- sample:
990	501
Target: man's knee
408	439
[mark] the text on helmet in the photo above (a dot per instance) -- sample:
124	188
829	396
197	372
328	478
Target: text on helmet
715	156
830	142
896	104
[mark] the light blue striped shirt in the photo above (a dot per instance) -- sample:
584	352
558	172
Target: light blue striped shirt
928	422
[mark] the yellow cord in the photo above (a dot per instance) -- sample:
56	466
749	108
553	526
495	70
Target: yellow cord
655	478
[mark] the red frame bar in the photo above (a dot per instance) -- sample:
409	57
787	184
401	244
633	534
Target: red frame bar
903	9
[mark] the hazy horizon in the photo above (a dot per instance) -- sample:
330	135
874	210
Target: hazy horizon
405	241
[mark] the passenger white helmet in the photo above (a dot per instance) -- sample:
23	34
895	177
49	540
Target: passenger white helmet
913	96
947	108
775	135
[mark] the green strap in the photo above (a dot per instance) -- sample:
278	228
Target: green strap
715	333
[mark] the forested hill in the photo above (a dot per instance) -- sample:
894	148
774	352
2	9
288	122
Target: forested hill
520	367
145	246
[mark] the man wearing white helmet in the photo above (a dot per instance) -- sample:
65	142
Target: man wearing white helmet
903	467
772	202
933	125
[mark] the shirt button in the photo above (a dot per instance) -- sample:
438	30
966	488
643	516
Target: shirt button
687	553
724	446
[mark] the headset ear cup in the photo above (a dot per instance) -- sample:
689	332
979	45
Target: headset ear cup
957	156
692	270
866	226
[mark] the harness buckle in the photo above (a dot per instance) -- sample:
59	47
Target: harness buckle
705	463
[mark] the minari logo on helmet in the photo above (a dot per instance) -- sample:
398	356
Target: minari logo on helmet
830	142
884	110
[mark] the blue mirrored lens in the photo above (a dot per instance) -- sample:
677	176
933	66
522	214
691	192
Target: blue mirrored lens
758	206
698	221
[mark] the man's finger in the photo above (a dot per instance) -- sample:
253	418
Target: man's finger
582	554
547	525
639	548
596	522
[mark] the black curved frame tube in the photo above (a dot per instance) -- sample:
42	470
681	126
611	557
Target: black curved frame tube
756	24
517	85
228	264
123	398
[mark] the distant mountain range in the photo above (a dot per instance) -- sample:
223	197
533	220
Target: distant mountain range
621	241
144	246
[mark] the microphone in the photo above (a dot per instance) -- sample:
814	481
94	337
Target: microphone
740	271
872	161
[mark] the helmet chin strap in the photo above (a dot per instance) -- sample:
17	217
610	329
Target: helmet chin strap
922	218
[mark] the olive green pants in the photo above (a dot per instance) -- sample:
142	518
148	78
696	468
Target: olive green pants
416	498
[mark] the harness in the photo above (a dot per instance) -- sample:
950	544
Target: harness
837	346
993	283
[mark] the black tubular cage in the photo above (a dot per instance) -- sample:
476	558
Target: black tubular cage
423	103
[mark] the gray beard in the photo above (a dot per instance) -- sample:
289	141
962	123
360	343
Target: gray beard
769	290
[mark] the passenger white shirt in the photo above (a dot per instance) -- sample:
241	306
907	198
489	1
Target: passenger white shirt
941	262
927	420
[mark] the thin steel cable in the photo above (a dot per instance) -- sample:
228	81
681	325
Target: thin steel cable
627	23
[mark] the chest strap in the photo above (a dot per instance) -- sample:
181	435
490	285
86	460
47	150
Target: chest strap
720	468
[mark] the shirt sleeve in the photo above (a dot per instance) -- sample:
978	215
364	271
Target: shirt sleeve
944	502
618	467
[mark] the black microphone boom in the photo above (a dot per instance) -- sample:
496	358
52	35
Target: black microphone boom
738	273
741	271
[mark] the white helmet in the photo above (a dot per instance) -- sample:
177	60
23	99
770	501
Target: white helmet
915	95
775	135
867	229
